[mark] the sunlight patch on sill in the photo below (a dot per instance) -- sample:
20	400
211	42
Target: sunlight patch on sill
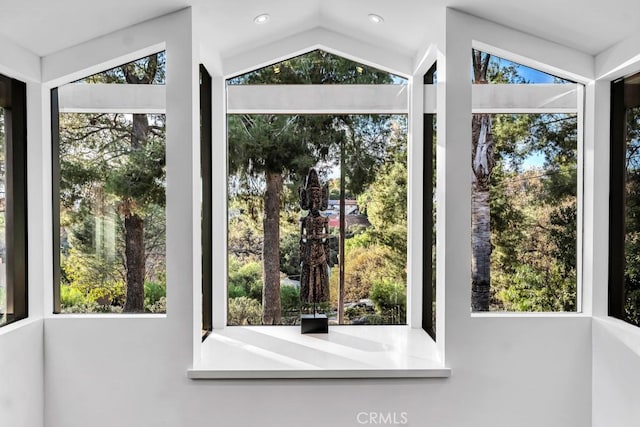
248	352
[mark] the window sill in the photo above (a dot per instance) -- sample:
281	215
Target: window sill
528	314
107	316
252	352
8	328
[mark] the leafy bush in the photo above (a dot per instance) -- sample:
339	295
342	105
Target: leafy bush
390	300
159	306
244	311
537	289
73	300
289	298
364	266
92	283
290	255
71	297
153	292
235	291
247	276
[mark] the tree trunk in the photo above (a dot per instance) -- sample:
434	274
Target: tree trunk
482	164
134	232
135	259
271	308
133	223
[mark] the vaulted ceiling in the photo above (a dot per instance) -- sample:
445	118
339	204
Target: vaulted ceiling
590	26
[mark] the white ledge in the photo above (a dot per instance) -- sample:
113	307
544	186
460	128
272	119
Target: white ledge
112	98
253	352
317	99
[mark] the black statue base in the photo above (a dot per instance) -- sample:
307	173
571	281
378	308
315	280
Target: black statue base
314	324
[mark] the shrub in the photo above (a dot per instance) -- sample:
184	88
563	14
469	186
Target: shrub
235	291
73	297
152	293
364	266
247	276
160	306
290	298
390	300
244	311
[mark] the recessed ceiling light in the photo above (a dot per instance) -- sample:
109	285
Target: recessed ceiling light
376	19
262	18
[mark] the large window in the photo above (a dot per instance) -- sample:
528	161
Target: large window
13	201
361	159
624	222
524	190
109	192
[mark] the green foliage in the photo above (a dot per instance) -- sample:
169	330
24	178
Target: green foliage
73	300
290	297
137	71
72	296
535	289
244	311
290	255
364	267
235	291
245	279
632	219
632	306
93	277
390	299
244	238
141	175
385	200
534	213
317	67
159	306
153	292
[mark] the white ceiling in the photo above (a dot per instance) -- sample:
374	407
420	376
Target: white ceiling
45	26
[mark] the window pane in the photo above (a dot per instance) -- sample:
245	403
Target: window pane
533	213
317	67
524	202
135	72
3	204
112	216
269	158
112	200
632	218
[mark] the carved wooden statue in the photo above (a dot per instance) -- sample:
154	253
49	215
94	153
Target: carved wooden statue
314	241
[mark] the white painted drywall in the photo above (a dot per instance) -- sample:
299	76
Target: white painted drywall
616	373
21	374
21	343
616	344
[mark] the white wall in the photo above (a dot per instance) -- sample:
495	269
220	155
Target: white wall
131	371
21	374
21	343
616	344
616	373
